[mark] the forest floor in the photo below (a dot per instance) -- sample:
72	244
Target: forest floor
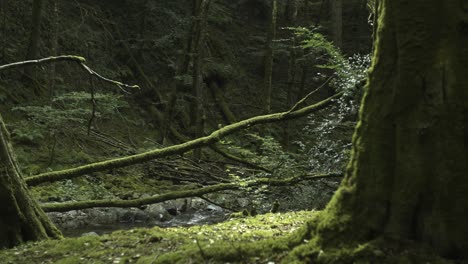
265	234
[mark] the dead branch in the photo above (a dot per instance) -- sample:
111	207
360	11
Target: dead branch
180	148
72	58
230	156
68	206
296	106
221	152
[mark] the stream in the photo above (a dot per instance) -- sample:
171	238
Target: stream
106	220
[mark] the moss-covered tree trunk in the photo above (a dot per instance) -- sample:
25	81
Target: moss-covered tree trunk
408	174
21	218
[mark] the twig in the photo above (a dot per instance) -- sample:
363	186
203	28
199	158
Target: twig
119	84
296	106
202	253
238	159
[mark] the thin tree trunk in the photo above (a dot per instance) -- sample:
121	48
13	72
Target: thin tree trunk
305	72
197	89
182	69
337	22
269	53
21	218
53	48
3	8
292	17
34	39
219	99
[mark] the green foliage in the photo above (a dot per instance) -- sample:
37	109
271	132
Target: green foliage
267	152
79	189
348	71
315	41
271	154
66	111
30	135
327	135
318	48
107	104
326	138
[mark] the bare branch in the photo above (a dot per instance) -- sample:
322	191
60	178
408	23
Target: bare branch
72	58
221	152
180	148
119	84
296	106
68	206
238	159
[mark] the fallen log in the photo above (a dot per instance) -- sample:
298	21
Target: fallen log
69	206
180	148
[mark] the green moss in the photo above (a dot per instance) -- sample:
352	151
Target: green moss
261	238
376	251
286	238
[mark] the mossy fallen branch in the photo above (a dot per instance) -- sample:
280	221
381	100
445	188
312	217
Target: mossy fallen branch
221	152
177	149
230	156
68	206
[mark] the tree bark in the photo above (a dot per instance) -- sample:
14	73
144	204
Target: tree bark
221	102
21	218
3	16
337	22
197	115
292	17
34	38
269	53
182	69
54	47
407	177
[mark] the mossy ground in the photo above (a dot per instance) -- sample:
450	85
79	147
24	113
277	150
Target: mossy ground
257	239
268	238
